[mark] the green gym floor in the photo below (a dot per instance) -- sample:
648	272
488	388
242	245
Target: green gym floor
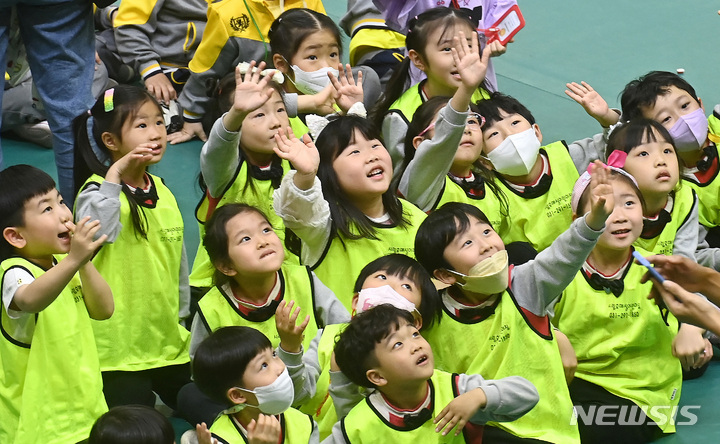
605	44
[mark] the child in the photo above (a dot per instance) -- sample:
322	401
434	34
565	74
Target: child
622	340
340	204
236	31
252	280
645	149
238	367
306	47
670	100
412	402
395	279
438	170
143	348
495	318
536	180
132	424
429	39
50	385
237	163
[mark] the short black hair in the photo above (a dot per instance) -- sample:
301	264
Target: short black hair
221	359
636	132
355	346
644	91
19	184
491	107
404	266
132	424
439	229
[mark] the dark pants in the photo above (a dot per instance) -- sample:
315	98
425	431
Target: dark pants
195	407
123	388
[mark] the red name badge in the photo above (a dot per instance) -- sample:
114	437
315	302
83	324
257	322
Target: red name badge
506	27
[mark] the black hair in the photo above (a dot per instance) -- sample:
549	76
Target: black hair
126	100
419	29
19	184
132	424
439	229
222	94
644	91
637	132
491	108
614	175
424	116
338	135
355	346
293	26
406	267
216	240
222	358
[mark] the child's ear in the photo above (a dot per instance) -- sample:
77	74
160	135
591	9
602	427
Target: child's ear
280	64
226	269
417	140
13	236
375	376
443	276
236	396
353	303
416	60
109	141
538	134
701	104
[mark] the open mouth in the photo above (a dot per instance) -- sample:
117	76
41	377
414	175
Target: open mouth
64	236
620	232
375	172
422	360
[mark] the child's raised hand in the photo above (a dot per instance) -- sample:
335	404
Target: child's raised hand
137	158
203	434
302	154
471	66
592	102
266	430
459	411
251	92
82	246
347	91
291	334
602	199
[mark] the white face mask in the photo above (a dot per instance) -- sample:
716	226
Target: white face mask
314	81
517	154
489	276
274	398
372	297
690	131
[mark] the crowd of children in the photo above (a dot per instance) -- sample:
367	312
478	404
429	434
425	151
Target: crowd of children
408	265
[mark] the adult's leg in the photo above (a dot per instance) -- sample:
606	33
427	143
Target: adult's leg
60	43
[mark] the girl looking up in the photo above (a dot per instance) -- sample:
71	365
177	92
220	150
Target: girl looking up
645	149
340	204
429	42
142	348
306	47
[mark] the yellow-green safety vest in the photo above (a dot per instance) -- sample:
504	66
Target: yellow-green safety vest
683	202
490	204
50	389
295	428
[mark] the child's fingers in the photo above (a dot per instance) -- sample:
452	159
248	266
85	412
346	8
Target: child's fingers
443	419
304	323
587	86
360	78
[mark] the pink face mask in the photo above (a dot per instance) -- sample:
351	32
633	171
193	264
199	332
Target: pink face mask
690	131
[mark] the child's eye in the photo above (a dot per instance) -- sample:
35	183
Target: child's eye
377	145
515	122
492	134
245	239
259	115
264	365
416	334
446	49
407	287
46	209
160	122
267	230
629	203
397	344
643	154
354	152
666	119
668	151
274	354
312	57
487	231
281	110
142	125
467	242
382	276
685	105
334	55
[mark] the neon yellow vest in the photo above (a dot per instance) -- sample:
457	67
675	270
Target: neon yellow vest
364	425
371	39
506	344
622	343
217	308
144	275
298	127
708	193
540	220
321	406
490	205
259	195
296	428
51	389
683	202
410	101
343	258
